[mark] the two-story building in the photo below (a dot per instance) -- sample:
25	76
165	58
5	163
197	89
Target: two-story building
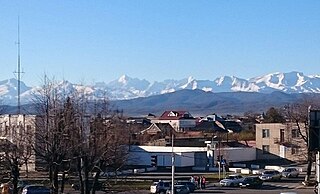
278	140
20	130
179	120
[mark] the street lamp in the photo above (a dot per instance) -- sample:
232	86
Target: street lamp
214	141
172	165
211	148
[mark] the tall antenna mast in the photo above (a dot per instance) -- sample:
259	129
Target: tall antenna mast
18	72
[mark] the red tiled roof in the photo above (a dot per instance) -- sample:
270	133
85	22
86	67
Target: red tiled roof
176	115
251	143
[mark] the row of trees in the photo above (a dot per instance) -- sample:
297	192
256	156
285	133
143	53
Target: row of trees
72	134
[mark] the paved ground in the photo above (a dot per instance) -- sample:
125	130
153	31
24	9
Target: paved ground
286	185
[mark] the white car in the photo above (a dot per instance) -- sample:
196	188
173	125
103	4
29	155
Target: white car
288	193
160	187
290	172
270	175
231	180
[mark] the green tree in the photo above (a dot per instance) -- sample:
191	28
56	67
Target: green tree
273	115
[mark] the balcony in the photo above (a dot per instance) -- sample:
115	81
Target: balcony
282	142
278	141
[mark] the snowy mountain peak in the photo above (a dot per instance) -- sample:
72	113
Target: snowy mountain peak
126	87
190	79
9	82
225	80
124	79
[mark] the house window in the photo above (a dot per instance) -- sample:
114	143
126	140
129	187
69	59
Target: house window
265	149
265	133
295	133
294	150
6	130
281	135
28	129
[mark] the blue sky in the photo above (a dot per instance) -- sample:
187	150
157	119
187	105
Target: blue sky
91	41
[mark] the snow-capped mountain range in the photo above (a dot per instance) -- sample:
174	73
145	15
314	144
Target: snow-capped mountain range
127	88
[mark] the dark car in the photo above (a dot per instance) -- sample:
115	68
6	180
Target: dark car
21	184
251	182
179	189
98	187
189	184
36	189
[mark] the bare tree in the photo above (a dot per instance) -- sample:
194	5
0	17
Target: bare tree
82	133
298	114
53	130
103	143
15	148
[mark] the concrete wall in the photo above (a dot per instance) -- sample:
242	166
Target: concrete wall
12	127
185	159
178	125
279	149
236	154
274	133
186	156
201	159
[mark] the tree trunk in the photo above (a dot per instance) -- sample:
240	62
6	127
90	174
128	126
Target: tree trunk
15	175
86	175
308	175
62	181
96	182
50	173
27	169
79	166
55	180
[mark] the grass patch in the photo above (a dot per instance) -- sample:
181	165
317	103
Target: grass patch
130	185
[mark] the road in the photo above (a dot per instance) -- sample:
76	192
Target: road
267	189
285	185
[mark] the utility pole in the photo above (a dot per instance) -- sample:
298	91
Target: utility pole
172	166
18	72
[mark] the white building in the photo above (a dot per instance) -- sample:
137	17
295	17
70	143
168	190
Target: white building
19	130
179	120
187	156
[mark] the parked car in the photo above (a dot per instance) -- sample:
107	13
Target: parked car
100	186
160	187
36	189
270	175
179	189
231	180
251	182
290	172
21	184
191	186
